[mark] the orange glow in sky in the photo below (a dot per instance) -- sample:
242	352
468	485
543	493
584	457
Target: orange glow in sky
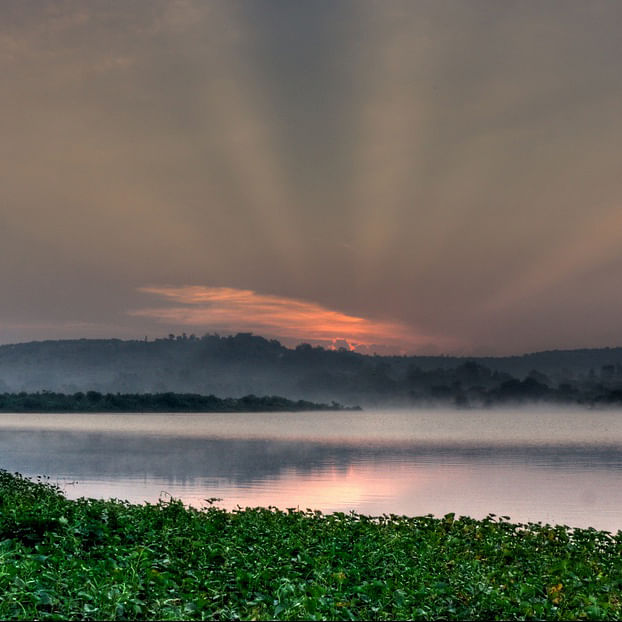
226	309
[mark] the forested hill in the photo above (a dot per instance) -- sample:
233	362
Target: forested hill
247	364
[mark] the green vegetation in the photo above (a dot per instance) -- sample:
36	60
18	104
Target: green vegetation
92	401
91	559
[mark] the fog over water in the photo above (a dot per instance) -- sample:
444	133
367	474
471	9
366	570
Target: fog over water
539	465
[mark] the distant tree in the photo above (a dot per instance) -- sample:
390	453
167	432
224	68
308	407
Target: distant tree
607	372
539	377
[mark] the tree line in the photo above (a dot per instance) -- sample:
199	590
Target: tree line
247	364
93	401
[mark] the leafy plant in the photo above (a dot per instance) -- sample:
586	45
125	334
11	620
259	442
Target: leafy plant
101	560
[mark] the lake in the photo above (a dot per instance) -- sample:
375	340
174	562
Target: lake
556	466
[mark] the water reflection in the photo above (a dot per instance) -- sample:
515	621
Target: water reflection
573	483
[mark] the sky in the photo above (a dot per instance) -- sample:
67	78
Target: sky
406	176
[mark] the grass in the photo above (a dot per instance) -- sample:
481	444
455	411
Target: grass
101	560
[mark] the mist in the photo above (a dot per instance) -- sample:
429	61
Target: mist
246	364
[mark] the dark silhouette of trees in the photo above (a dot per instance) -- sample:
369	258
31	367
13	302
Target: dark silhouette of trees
93	401
244	364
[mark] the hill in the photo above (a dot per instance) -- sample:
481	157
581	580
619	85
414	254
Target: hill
245	364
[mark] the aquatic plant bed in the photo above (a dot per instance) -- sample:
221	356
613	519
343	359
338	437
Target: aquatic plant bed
101	560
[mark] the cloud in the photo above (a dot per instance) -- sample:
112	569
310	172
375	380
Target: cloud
227	309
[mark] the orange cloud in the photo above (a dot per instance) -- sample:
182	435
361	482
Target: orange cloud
226	309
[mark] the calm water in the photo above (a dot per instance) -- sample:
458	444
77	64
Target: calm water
551	466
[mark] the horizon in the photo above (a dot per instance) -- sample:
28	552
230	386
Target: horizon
430	178
176	337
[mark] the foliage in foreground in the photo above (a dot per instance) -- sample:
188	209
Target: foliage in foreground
91	559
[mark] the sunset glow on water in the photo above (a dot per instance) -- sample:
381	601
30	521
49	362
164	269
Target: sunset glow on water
412	463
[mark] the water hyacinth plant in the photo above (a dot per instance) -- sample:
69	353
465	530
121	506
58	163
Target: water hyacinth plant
104	560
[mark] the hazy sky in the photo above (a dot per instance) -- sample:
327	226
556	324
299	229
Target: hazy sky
427	175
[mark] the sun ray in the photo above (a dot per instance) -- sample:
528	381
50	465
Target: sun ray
386	154
592	245
236	106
